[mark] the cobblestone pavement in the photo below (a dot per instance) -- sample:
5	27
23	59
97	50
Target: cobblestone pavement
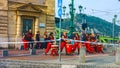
94	59
25	55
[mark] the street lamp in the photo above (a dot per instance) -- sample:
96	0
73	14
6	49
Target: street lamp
64	9
80	8
84	24
114	21
72	11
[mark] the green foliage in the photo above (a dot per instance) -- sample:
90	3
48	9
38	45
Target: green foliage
57	32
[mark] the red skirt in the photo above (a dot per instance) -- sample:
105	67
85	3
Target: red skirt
63	44
25	44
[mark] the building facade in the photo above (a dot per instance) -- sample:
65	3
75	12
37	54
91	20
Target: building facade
18	16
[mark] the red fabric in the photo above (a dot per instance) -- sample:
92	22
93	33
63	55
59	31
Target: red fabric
89	48
76	44
54	52
69	48
92	50
48	47
25	44
30	35
87	44
99	49
63	44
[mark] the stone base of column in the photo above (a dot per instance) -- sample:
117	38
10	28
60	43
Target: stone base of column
4	53
117	59
3	44
32	51
82	54
18	43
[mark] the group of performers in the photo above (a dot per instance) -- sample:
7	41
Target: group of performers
50	45
79	41
29	41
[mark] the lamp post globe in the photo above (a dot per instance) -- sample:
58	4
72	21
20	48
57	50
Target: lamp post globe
80	8
64	9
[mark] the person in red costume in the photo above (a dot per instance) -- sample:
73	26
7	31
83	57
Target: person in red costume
76	44
89	49
25	40
93	40
51	37
63	41
30	39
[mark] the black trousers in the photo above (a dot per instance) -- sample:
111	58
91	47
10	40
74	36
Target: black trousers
30	44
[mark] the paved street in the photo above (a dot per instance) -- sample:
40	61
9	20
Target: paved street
24	56
90	58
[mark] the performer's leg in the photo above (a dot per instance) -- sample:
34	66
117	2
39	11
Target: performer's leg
62	45
48	48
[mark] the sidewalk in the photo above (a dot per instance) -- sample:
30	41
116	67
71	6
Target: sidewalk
91	60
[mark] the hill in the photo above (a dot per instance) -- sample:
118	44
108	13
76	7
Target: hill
101	25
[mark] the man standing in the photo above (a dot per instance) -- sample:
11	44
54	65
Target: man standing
30	39
37	37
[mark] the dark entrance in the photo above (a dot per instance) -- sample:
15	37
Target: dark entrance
27	25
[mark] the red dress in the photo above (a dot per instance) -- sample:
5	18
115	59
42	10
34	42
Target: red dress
25	42
89	47
49	45
76	44
99	49
63	43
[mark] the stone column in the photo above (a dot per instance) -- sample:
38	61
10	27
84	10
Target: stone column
117	59
82	54
36	24
19	26
18	33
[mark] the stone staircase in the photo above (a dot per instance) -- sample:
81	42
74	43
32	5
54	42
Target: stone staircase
50	23
3	26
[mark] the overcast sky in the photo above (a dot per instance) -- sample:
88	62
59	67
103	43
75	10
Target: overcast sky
105	9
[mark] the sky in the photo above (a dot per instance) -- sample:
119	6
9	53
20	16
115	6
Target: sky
105	9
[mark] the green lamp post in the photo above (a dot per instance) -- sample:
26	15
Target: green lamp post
114	21
72	11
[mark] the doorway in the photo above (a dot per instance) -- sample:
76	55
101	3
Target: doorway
27	25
